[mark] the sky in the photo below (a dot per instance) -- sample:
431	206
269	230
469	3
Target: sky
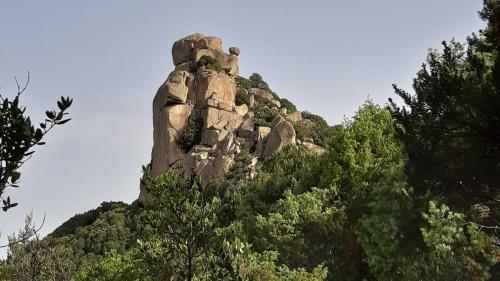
110	56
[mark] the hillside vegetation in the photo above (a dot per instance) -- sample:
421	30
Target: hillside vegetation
407	191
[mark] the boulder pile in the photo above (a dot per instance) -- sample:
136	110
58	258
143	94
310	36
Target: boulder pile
196	122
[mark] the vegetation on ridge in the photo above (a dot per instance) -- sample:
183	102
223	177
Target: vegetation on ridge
401	193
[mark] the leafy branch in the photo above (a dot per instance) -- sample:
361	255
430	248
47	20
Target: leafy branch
18	136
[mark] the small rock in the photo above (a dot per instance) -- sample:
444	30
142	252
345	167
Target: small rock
234	51
242	110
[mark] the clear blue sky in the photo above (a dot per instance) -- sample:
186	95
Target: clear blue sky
111	56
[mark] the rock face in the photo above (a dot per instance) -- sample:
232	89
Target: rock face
281	134
200	100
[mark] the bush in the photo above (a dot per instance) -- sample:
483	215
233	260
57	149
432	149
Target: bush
263	115
242	97
290	107
242	82
209	63
256	81
191	135
317	129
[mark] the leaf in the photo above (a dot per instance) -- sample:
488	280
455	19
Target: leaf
50	114
63	121
14	177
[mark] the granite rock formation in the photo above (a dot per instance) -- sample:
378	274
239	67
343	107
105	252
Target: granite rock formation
198	101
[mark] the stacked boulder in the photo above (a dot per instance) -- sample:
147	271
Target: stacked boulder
195	90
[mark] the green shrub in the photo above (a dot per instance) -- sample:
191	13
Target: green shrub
242	82
290	107
242	97
263	115
317	130
256	81
191	135
209	63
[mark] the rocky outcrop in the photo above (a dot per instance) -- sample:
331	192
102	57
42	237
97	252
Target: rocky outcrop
281	134
219	128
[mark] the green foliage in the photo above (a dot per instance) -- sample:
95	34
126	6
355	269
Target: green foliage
249	265
457	249
399	194
18	136
290	107
256	81
209	63
491	14
314	127
263	115
31	259
242	97
185	220
191	134
301	227
144	262
85	219
242	82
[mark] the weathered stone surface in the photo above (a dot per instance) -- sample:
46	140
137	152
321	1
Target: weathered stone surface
227	128
314	148
186	66
260	139
211	42
260	95
218	86
210	137
251	100
226	144
224	106
274	103
246	128
212	103
213	117
167	125
242	110
183	48
176	87
294	116
264	97
282	134
208	168
229	63
234	51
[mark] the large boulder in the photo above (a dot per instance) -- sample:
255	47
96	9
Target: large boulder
234	51
229	63
260	95
183	48
314	147
210	42
242	110
282	134
260	139
167	126
175	89
217	86
220	119
246	128
294	116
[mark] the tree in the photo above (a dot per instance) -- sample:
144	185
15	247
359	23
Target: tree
30	258
18	136
184	219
